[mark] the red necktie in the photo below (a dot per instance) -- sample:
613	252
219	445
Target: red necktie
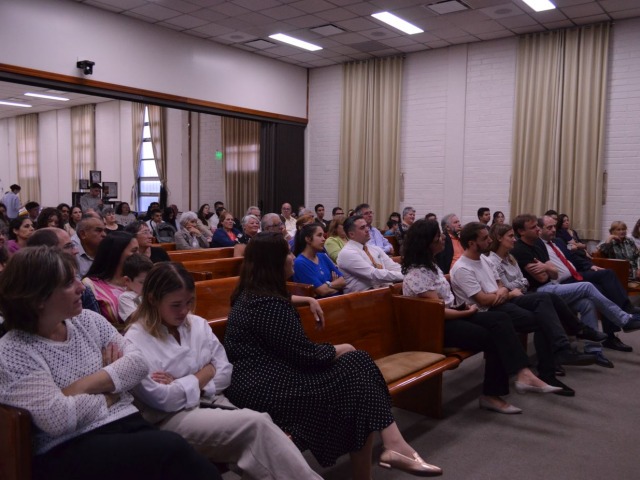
574	273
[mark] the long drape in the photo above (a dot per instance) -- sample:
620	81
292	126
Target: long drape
157	126
27	153
559	125
241	150
83	143
370	134
137	125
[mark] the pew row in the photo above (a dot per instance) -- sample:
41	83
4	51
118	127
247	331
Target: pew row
621	269
403	335
213	296
219	268
200	254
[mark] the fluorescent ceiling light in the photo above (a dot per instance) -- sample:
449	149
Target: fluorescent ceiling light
13	104
397	22
540	5
50	97
295	42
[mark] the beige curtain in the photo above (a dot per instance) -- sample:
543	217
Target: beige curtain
241	149
137	125
370	134
83	143
559	125
27	153
157	125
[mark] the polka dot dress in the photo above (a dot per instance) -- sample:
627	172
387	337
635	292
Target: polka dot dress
329	407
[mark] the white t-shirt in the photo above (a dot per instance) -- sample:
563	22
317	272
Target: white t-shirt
469	277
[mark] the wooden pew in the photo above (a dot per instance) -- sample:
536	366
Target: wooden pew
15	443
219	268
213	297
200	254
393	240
168	247
404	349
620	268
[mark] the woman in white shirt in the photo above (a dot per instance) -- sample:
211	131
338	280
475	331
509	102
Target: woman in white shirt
72	371
189	371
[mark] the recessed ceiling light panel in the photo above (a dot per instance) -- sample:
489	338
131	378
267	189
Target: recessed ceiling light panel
397	22
540	5
48	97
14	104
296	42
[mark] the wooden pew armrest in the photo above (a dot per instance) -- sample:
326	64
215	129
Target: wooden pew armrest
15	443
420	323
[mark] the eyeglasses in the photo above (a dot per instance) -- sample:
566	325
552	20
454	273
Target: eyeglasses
69	246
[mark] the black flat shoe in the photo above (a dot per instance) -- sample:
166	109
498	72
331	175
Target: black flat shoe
614	343
588	333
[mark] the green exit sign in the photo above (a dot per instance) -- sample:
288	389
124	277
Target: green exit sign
218	155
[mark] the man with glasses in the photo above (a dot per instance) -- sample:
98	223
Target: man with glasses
271	222
377	239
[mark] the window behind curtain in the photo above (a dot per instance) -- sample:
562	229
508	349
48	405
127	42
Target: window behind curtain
148	180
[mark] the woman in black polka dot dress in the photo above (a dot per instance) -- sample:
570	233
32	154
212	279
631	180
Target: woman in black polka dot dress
330	399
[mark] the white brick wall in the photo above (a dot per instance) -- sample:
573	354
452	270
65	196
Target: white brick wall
322	135
622	131
211	170
441	111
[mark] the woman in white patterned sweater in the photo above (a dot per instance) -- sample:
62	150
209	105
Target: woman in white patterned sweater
72	371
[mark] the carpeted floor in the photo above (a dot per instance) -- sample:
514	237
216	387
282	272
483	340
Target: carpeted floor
594	435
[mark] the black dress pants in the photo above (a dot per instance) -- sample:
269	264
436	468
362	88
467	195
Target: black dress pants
129	448
494	334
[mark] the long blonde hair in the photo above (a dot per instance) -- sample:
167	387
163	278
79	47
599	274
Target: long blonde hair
163	279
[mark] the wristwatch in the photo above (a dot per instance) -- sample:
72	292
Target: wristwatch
328	282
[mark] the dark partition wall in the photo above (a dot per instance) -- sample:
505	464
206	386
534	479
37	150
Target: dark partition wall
281	166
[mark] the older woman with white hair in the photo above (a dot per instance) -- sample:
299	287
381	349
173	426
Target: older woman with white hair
189	236
250	226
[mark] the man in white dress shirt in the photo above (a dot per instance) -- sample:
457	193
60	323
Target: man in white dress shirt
377	239
289	220
365	266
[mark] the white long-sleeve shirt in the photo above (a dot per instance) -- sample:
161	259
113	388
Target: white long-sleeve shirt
198	346
34	370
360	273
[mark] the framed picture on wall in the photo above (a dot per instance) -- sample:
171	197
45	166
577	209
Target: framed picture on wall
110	190
84	184
95	176
75	197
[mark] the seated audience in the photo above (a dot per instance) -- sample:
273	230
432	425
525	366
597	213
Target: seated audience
506	267
319	209
408	217
204	215
289	219
74	218
124	215
189	236
110	223
33	210
392	228
484	215
453	250
570	236
635	234
301	222
255	211
272	222
169	217
431	216
475	282
336	211
377	239
312	266
20	229
134	271
498	218
250	227
58	238
155	221
48	217
365	266
89	233
140	230
65	216
93	199
331	399
619	246
227	234
466	327
4	253
73	371
4	219
147	216
189	371
105	277
336	238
